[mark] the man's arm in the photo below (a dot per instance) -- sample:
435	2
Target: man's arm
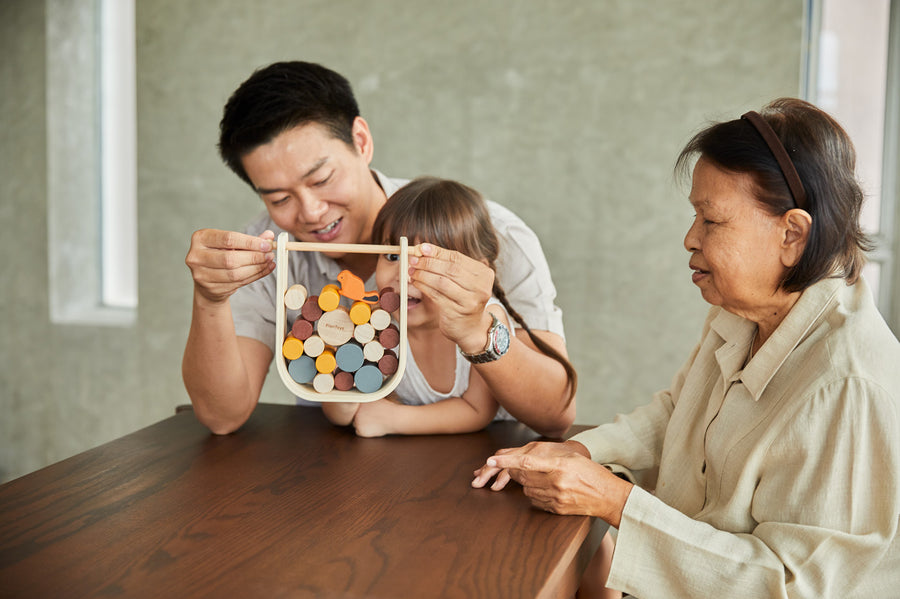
224	373
531	386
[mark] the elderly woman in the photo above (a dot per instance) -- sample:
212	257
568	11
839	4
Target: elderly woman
771	466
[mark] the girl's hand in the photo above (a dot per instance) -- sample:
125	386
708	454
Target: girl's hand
461	288
374	419
340	413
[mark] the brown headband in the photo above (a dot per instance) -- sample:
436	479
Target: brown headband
778	150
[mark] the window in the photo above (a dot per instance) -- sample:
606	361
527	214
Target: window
91	161
850	72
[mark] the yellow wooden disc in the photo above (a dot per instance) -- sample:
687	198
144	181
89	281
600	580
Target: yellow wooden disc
330	298
292	348
360	312
325	363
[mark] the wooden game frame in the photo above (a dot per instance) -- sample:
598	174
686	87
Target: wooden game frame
283	246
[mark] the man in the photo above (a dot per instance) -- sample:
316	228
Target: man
293	132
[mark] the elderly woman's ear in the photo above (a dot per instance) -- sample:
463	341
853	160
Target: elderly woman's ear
796	225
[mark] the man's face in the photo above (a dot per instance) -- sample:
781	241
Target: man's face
317	187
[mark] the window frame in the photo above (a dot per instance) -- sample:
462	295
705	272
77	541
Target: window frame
889	299
887	240
91	162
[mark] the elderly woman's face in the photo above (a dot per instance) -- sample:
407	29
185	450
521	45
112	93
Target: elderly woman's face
735	245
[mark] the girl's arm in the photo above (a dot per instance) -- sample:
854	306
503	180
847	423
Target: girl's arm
471	412
339	413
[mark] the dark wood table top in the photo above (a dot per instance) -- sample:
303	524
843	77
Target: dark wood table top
288	506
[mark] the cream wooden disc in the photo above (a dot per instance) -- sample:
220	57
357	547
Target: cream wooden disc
335	327
294	297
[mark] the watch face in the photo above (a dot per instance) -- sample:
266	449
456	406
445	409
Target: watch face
501	339
498	344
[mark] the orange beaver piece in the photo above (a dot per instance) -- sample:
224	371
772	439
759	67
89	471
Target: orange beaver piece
354	288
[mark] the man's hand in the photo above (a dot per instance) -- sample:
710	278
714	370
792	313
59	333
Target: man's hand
221	262
461	288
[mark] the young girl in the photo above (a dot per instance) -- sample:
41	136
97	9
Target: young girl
440	392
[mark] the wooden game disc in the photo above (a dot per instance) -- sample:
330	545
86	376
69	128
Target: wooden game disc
335	327
372	351
363	333
389	337
343	381
323	383
360	312
292	348
380	319
389	300
294	297
368	378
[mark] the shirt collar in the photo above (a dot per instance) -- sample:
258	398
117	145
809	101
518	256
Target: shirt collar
387	184
737	334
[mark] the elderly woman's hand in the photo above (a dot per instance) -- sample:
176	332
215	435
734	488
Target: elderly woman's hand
535	448
559	478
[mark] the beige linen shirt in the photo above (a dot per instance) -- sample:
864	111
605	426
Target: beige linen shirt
780	478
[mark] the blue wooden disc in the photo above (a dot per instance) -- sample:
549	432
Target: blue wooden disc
368	379
303	369
349	357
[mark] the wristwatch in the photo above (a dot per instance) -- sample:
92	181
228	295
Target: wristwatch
497	344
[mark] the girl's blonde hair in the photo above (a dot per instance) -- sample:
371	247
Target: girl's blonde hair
453	216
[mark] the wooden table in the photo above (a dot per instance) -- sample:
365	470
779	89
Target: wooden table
288	506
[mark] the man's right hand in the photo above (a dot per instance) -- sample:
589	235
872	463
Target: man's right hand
222	262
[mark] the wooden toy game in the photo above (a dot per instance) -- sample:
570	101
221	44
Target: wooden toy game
336	353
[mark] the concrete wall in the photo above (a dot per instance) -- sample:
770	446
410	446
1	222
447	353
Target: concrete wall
569	112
